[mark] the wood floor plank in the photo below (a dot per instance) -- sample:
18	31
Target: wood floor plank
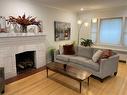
57	84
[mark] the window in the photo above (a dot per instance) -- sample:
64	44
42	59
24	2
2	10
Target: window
125	33
94	31
110	31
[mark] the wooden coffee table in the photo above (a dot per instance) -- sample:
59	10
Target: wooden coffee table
70	71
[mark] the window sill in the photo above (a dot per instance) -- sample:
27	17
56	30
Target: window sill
112	48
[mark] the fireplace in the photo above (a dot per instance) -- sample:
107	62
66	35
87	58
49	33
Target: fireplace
25	61
12	46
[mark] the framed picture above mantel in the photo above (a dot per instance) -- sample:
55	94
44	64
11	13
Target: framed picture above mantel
62	30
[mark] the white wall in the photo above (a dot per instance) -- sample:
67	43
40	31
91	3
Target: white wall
102	13
47	14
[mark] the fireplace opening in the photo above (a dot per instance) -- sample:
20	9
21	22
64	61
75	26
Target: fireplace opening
25	61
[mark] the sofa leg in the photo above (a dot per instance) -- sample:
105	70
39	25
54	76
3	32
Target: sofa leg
101	80
65	66
3	91
115	73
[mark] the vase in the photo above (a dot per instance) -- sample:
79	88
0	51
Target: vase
23	28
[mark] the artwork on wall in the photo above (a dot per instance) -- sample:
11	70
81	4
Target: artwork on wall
62	30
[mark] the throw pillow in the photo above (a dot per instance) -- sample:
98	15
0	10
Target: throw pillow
68	49
61	49
97	55
106	54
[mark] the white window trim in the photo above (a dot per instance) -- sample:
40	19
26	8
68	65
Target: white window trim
94	32
124	32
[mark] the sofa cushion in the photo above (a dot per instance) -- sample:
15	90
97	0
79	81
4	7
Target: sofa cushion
86	62
63	57
85	52
95	50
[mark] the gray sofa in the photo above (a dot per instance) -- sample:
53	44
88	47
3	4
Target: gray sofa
2	85
83	59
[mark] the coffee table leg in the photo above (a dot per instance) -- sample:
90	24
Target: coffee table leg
47	71
80	86
65	66
88	81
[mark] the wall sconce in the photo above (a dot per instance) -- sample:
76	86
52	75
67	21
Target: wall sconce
94	20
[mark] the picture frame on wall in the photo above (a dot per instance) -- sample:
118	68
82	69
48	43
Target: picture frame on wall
62	30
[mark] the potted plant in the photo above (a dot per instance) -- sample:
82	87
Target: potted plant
51	52
86	42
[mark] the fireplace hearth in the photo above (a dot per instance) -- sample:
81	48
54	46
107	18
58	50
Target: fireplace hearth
25	61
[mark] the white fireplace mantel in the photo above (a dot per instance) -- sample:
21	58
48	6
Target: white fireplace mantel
10	46
19	34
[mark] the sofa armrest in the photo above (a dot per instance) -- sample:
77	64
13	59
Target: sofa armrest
110	65
56	52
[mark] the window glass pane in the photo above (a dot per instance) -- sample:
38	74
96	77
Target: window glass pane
110	31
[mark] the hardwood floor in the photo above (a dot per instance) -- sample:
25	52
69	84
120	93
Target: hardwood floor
39	84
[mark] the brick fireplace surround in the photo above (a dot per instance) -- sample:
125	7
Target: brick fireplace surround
12	45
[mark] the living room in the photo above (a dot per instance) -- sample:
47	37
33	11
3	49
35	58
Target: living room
102	22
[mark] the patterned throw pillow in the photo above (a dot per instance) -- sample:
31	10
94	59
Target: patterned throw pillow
106	54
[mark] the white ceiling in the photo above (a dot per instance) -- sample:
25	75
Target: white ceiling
75	5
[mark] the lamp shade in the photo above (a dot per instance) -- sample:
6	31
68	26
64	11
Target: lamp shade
79	22
86	24
94	20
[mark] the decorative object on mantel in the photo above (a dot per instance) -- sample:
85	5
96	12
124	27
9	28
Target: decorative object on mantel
2	24
33	29
24	21
62	30
86	42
